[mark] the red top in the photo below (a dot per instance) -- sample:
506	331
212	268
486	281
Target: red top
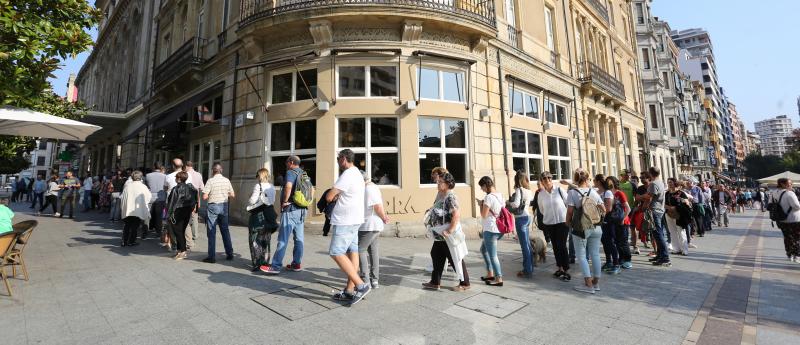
624	200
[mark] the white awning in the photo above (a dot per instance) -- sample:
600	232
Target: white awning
25	122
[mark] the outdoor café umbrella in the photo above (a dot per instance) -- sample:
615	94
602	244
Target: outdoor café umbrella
773	180
25	122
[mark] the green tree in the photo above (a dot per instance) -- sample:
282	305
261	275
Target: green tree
758	166
35	37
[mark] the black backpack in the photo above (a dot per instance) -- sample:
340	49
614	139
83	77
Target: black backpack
776	212
617	214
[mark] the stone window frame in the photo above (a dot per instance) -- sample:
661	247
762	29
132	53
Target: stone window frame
527	156
368	150
563	155
443	150
295	80
270	154
556	105
525	92
367	79
439	70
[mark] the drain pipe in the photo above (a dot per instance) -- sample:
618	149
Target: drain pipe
502	118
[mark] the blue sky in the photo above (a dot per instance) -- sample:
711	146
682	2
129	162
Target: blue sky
757	50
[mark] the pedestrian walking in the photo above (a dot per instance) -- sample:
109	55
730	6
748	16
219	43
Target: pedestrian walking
518	206
135	202
608	238
69	186
708	207
490	208
117	182
550	205
368	245
346	219
678	213
51	195
619	222
263	219
196	179
655	199
722	199
789	210
86	198
181	202
156	181
293	216
218	190
443	222
39	188
169	183
106	188
15	189
584	210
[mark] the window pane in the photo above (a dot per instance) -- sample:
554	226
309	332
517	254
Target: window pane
561	115
205	169
352	132
383	132
281	88
563	146
550	112
279	170
383	81
518	142
310	78
553	169
429	84
385	168
218	108
196	154
426	163
516	102
453	86
430	131
457	166
309	164
564	170
280	136
534	144
351	81
305	135
534	168
552	146
455	134
519	164
531	106
360	162
217	154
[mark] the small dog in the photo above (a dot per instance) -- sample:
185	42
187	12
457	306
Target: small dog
539	246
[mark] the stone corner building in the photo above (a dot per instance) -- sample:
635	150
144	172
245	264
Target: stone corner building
479	87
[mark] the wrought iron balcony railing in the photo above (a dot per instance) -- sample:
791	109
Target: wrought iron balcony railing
481	11
588	72
189	56
513	36
599	8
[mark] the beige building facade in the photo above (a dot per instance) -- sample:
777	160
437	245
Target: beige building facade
483	88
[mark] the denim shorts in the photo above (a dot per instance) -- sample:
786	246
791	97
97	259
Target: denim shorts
344	240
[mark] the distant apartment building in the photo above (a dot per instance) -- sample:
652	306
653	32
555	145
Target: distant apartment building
753	143
773	133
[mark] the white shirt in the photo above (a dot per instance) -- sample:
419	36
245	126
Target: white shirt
489	222
522	196
87	184
263	193
170	182
372	197
349	208
53	188
552	206
789	200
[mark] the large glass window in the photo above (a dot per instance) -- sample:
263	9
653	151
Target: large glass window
558	157
555	112
291	86
367	81
450	153
526	151
523	103
441	85
293	138
376	145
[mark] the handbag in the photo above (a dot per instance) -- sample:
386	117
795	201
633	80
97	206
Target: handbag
260	206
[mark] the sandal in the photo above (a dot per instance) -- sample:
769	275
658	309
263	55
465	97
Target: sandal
558	274
487	279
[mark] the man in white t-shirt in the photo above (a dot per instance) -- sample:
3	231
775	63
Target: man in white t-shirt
346	219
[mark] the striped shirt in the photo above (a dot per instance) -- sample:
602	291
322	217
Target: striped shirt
217	188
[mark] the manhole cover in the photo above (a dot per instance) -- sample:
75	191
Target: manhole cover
299	302
491	304
78	244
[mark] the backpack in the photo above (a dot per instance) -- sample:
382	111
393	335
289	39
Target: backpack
586	217
617	214
303	190
504	220
776	212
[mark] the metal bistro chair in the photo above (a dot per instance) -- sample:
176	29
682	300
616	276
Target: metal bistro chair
24	230
7	243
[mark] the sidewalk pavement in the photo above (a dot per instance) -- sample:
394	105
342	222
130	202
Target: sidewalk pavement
84	288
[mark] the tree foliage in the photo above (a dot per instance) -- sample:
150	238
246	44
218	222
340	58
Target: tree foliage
35	37
758	166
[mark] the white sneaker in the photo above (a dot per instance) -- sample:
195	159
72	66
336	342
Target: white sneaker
57	214
584	288
692	245
670	247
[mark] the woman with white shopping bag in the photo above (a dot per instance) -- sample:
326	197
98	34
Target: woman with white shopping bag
449	241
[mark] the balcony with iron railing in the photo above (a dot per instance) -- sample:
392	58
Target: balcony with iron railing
600	9
481	12
658	136
601	84
186	59
513	36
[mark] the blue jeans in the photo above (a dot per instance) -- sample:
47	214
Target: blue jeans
87	199
489	252
37	196
662	252
609	240
115	210
291	223
586	248
523	236
217	214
